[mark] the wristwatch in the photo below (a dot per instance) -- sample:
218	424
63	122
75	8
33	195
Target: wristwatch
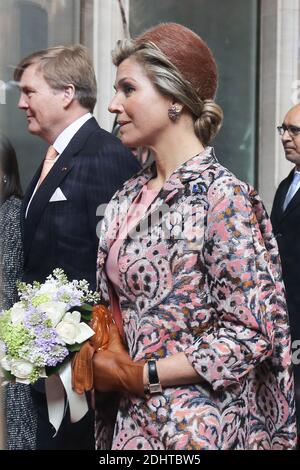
154	385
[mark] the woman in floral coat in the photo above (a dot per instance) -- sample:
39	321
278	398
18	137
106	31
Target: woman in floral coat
189	265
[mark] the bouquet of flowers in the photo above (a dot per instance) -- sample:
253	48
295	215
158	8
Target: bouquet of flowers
38	334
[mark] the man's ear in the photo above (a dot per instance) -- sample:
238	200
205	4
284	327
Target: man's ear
69	94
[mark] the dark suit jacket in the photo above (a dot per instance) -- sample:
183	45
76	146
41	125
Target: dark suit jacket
63	234
286	226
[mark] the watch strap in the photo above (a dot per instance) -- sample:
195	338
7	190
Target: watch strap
154	385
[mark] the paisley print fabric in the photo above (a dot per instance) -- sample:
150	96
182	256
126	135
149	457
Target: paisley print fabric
200	274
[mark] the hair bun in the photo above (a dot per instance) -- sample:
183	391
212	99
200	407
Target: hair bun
209	122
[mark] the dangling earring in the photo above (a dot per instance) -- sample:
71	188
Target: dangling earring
4	179
174	112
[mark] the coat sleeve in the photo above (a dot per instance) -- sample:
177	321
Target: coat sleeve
245	288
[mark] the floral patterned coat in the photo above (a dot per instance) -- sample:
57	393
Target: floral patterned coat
201	275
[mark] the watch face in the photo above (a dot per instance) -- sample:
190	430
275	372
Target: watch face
155	388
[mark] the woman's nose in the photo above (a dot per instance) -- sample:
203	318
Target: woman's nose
115	105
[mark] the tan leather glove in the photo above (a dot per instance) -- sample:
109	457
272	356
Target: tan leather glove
100	323
82	365
82	369
114	370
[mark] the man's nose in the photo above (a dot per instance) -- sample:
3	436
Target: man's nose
22	104
285	136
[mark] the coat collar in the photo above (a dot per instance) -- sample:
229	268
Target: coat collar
187	172
191	169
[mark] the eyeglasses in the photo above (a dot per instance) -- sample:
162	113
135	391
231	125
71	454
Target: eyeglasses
292	130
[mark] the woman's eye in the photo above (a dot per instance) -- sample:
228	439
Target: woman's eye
128	89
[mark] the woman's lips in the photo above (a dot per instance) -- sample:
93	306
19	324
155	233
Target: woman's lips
123	123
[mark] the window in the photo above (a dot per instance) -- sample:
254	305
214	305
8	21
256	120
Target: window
230	29
27	26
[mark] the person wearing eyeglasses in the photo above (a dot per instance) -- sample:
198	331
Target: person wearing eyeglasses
285	217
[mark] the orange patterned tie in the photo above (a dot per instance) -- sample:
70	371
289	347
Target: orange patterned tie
48	162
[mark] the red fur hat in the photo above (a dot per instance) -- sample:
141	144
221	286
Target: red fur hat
189	53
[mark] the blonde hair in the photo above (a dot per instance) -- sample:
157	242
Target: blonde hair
208	116
63	65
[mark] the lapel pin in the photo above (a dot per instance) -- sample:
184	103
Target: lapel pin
64	168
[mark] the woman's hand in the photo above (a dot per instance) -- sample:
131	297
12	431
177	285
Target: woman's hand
114	370
82	365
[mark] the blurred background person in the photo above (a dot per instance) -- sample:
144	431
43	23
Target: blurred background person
285	217
11	246
20	416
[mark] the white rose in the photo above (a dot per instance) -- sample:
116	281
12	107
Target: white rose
2	350
5	363
71	330
21	369
49	288
17	313
26	381
54	310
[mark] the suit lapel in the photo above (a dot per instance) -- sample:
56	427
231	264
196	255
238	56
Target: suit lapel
28	194
294	202
52	181
43	194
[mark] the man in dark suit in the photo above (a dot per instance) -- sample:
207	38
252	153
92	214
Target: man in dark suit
83	168
285	218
